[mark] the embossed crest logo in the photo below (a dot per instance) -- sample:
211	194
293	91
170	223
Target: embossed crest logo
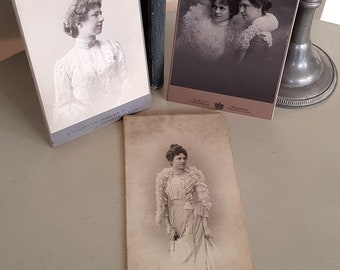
219	106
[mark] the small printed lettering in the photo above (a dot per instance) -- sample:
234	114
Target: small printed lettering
239	109
200	102
104	121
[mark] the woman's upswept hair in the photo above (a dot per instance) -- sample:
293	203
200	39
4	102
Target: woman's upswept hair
77	13
265	5
175	150
232	4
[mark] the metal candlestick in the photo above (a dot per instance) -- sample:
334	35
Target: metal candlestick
310	75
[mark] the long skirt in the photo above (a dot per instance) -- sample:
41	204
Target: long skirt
189	248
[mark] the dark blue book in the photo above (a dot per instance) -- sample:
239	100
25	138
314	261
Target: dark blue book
153	12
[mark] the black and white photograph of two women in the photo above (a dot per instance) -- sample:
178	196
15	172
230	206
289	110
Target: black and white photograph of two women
232	47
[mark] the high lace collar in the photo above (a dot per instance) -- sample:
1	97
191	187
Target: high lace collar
86	43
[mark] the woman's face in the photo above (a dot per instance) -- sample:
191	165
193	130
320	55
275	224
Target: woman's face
179	162
93	25
219	12
248	11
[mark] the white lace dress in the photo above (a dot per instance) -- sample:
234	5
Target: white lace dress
184	200
88	78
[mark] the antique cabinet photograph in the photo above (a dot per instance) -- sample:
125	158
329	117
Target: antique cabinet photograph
88	61
183	206
230	54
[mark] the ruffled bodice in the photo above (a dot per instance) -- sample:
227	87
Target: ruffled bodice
89	73
188	188
177	188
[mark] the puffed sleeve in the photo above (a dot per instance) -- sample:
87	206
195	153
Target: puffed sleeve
119	59
161	198
62	84
202	191
65	105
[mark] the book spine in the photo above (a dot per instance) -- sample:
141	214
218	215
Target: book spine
153	14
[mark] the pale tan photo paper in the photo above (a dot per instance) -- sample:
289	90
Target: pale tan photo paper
183	206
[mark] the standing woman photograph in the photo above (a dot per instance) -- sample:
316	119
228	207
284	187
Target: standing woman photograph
183	205
93	73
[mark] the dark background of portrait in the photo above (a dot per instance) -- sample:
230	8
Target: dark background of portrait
257	82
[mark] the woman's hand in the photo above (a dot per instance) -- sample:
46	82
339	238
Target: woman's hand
171	231
207	233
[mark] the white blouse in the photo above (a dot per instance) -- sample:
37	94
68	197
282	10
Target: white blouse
91	75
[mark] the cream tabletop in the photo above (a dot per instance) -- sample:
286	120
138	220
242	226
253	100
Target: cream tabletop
63	208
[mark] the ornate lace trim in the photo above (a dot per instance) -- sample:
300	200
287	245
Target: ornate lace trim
195	177
263	25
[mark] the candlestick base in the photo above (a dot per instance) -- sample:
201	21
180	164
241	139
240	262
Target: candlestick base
309	81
